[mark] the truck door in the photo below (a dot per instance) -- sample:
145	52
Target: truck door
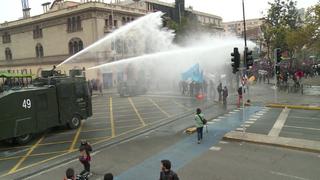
46	109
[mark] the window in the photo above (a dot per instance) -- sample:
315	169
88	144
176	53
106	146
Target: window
110	20
8	54
79	23
39	51
75	45
123	20
115	23
74	24
37	32
6	38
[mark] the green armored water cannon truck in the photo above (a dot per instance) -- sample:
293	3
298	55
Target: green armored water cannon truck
53	99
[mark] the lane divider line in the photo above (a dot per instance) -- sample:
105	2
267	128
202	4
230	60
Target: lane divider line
113	130
14	169
75	139
135	110
159	107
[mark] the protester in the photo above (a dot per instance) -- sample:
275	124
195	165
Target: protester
199	118
219	89
108	176
166	172
225	95
85	159
70	174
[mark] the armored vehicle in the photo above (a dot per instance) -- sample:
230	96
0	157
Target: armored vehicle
52	100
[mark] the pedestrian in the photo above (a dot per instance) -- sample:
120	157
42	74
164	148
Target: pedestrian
199	118
108	176
239	96
166	172
85	159
219	89
100	88
69	174
86	145
225	95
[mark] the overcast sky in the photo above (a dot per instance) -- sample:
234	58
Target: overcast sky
229	10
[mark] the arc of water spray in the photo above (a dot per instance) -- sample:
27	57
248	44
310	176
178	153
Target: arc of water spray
154	56
110	36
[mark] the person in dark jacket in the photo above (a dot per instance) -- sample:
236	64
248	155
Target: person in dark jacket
166	172
224	96
85	159
85	144
70	174
108	176
219	89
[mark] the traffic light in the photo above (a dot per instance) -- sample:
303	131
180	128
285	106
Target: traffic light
248	58
235	60
278	55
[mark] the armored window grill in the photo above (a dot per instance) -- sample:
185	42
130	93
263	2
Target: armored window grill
75	45
39	51
6	38
8	54
37	32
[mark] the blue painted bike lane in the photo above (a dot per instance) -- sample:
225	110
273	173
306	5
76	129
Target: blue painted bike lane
184	151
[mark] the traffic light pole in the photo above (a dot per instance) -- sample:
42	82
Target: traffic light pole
244	64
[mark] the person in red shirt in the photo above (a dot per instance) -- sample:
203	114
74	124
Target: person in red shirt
85	159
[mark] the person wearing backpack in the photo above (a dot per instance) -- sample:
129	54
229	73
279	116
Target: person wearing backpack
166	172
200	122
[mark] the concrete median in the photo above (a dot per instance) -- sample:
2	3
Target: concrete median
292	143
273	105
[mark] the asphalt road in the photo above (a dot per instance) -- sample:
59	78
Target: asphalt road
300	124
112	116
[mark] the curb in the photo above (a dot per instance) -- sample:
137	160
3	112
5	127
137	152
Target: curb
290	143
293	106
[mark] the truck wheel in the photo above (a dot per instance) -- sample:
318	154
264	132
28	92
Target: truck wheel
74	122
24	139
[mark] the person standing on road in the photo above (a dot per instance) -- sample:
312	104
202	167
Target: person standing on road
219	89
85	159
166	172
239	96
199	117
225	95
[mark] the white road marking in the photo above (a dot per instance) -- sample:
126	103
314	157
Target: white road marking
276	129
255	116
223	142
305	118
210	122
249	122
253	119
297	127
215	148
236	110
245	125
260	114
216	120
239	129
232	112
287	175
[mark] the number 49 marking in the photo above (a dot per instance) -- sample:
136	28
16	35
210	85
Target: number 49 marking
26	103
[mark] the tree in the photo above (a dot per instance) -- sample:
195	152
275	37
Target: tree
282	16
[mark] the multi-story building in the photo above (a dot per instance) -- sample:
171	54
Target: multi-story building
253	29
177	10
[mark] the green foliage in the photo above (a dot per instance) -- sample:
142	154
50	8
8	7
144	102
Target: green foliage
283	28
